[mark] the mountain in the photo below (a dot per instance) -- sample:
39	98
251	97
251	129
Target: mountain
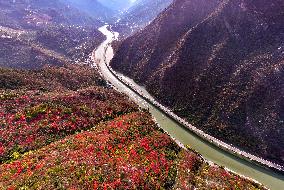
117	5
59	12
64	128
93	8
220	65
34	33
140	14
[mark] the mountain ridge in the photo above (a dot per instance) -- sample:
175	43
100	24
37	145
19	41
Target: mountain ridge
216	69
33	33
139	15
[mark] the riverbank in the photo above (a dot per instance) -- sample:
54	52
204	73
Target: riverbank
233	150
240	153
211	152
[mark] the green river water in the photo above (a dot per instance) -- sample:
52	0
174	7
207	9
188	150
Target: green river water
271	179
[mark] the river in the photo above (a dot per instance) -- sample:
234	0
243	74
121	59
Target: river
102	56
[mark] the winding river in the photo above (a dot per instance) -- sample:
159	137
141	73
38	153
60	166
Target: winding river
102	56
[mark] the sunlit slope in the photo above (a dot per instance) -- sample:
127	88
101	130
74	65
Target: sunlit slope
219	64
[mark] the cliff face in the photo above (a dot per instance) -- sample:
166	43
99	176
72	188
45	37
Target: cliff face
219	64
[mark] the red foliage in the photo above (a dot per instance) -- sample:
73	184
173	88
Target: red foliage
28	123
99	159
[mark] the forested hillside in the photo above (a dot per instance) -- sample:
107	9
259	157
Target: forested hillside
33	33
219	64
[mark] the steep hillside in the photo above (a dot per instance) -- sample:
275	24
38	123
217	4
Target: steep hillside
33	33
64	128
117	5
219	64
40	12
140	14
93	8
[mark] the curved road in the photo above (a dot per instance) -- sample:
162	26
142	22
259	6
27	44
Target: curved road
102	56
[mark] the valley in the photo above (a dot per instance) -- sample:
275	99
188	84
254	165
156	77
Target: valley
141	94
219	67
103	55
